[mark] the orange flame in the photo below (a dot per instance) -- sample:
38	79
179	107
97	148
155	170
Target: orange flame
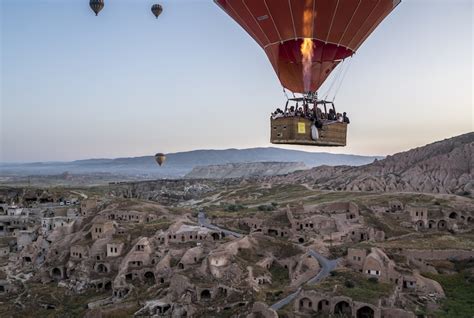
307	52
306	49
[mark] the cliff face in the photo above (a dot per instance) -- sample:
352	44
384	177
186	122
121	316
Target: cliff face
441	167
239	170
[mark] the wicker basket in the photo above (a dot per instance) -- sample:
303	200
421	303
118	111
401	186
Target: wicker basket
297	131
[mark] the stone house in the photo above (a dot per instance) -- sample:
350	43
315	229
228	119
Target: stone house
419	216
395	206
191	257
437	219
115	248
129	216
374	263
88	206
183	233
25	238
4	250
101	229
5	286
311	303
78	252
366	234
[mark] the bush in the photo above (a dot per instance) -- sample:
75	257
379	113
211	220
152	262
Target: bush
234	207
266	208
373	280
462	265
349	284
337	251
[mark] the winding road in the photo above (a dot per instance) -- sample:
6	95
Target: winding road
326	264
204	221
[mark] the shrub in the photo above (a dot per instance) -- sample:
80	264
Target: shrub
266	208
234	207
373	280
337	251
349	284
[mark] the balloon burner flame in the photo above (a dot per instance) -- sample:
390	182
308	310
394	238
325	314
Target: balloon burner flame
307	54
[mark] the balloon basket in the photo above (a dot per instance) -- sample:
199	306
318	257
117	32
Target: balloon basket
297	131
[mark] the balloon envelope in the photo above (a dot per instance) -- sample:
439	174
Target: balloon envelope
96	5
160	158
156	9
336	29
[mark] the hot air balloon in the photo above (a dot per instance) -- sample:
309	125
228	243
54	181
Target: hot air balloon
305	40
96	5
160	158
156	9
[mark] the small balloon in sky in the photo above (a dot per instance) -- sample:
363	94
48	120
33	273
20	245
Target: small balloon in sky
160	158
96	5
156	9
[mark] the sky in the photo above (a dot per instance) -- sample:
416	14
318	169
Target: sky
76	86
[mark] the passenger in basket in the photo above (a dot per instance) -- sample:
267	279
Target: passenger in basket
299	112
332	114
345	119
291	112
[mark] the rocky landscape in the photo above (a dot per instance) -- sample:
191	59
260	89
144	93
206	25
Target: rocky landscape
245	170
393	238
442	167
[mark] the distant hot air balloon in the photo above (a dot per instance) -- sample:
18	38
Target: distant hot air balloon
306	39
160	158
156	9
96	5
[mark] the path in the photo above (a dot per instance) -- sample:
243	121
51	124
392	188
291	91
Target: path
327	266
204	221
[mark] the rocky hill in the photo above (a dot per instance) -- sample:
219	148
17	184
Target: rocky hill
239	170
178	164
442	167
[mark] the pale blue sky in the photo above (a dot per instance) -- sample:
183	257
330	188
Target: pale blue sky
125	84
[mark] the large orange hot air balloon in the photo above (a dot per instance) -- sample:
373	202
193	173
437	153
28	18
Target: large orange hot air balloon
306	39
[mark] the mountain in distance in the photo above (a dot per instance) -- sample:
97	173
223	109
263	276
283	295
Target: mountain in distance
180	163
442	167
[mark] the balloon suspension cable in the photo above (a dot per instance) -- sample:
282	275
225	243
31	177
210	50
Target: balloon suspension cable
286	95
335	78
342	79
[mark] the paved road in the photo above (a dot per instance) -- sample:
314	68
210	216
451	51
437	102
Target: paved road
285	301
204	221
327	266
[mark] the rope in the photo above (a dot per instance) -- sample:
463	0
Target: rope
335	78
342	80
